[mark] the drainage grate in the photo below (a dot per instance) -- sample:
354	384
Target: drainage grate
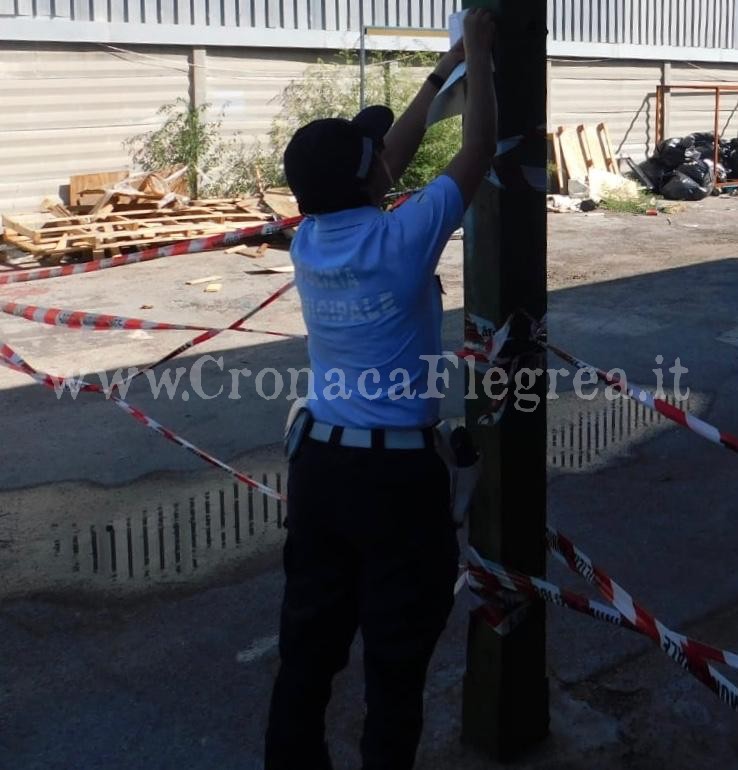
210	527
178	539
575	443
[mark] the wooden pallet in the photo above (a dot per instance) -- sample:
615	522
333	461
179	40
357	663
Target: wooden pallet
579	149
51	237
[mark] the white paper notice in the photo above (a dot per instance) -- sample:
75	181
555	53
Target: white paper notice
456	26
451	99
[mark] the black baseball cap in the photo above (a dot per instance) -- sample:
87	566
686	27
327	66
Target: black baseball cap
327	161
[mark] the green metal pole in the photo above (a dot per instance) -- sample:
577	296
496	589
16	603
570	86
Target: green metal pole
505	703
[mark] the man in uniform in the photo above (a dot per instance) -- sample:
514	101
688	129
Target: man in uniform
371	543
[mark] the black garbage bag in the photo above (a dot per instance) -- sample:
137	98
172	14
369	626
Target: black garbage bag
701	171
702	137
692	181
730	158
719	173
705	151
680	187
652	174
673	152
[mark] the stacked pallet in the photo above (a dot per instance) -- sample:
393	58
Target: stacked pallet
114	213
578	150
49	237
586	167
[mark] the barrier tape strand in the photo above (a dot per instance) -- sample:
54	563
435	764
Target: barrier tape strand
81	319
491	582
190	246
671	412
13	360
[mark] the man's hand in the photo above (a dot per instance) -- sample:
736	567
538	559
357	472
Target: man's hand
479	33
472	162
450	60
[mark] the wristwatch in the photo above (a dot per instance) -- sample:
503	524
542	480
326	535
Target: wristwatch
436	80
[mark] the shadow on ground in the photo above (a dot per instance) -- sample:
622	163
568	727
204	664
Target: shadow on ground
182	680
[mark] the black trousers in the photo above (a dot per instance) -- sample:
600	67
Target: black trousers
371	546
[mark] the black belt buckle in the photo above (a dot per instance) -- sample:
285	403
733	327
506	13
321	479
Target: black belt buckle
299	429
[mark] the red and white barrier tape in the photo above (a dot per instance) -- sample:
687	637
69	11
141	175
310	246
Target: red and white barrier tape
565	550
208	335
80	319
483	344
483	341
671	412
487	579
11	359
195	245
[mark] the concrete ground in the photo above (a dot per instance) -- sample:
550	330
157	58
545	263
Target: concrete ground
175	672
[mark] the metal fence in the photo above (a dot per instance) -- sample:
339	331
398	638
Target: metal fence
681	23
326	15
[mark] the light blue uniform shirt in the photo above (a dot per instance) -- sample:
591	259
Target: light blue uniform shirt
371	301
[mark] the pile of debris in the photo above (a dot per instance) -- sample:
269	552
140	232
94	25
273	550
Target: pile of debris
112	213
684	168
585	169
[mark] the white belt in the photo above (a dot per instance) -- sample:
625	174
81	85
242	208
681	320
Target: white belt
366	438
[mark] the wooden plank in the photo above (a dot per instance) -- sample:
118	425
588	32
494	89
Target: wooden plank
25	244
46	234
571	151
584	146
560	170
282	203
596	152
19	224
79	183
606	144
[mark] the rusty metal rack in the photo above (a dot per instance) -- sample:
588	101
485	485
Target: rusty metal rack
718	89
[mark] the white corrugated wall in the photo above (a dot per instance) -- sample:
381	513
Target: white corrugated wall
244	86
67	110
621	94
695	112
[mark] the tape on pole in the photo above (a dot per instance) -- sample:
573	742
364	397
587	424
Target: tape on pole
490	581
